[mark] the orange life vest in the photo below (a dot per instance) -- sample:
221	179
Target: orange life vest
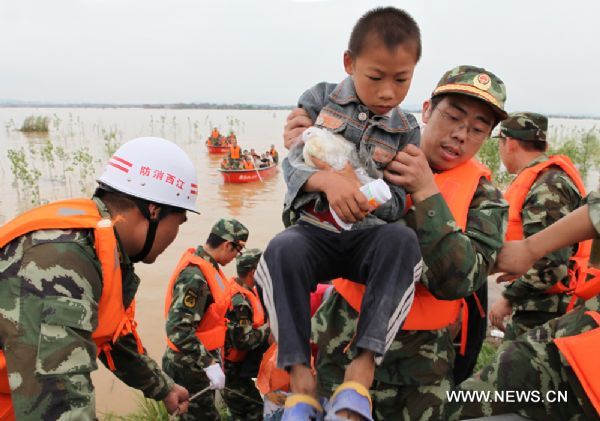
248	165
212	328
258	317
515	196
113	319
457	186
270	378
581	352
234	152
215	134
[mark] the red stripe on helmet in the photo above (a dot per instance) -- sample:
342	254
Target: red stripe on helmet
119	167
122	161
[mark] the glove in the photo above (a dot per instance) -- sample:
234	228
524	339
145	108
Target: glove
216	376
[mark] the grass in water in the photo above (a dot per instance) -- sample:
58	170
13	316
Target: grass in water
35	124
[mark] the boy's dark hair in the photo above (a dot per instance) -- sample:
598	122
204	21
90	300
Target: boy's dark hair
391	25
214	240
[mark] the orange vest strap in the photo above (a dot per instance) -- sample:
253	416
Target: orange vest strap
580	351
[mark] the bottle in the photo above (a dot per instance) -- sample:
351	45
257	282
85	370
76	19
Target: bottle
377	193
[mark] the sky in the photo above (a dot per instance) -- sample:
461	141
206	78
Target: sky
270	51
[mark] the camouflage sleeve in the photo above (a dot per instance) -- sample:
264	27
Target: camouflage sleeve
551	197
50	284
457	263
190	298
593	201
240	332
138	370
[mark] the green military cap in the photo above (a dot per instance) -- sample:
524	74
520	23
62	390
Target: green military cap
248	260
476	82
230	229
525	126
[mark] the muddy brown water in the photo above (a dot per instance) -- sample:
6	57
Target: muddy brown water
85	130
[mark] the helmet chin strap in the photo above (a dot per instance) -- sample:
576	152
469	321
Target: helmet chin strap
150	234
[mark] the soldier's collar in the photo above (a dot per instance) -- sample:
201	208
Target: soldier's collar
200	252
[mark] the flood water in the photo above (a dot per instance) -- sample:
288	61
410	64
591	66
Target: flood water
87	136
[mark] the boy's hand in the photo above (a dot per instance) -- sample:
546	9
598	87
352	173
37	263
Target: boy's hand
297	121
410	170
342	191
344	196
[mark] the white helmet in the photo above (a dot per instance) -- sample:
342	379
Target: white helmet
153	169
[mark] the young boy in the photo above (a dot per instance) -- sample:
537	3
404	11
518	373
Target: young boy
383	51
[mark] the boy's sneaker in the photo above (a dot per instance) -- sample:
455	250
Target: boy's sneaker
350	396
299	407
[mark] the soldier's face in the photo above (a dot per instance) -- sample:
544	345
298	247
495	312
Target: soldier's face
455	130
381	78
167	230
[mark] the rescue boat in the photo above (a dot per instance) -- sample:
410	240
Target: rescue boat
248	176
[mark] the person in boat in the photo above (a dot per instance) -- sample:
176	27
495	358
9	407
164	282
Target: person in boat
225	163
248	163
265	160
215	137
231	137
274	154
234	155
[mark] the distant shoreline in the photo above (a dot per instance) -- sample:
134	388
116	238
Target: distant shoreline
211	106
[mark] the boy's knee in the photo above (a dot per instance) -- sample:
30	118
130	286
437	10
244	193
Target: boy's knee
287	246
400	235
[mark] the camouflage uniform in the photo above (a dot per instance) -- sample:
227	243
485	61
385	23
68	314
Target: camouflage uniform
50	284
532	362
191	297
416	372
241	335
552	196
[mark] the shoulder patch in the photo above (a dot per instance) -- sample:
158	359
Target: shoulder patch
190	298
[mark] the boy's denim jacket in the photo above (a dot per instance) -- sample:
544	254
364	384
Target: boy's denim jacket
377	138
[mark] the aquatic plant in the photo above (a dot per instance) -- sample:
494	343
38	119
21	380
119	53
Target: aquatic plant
35	124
